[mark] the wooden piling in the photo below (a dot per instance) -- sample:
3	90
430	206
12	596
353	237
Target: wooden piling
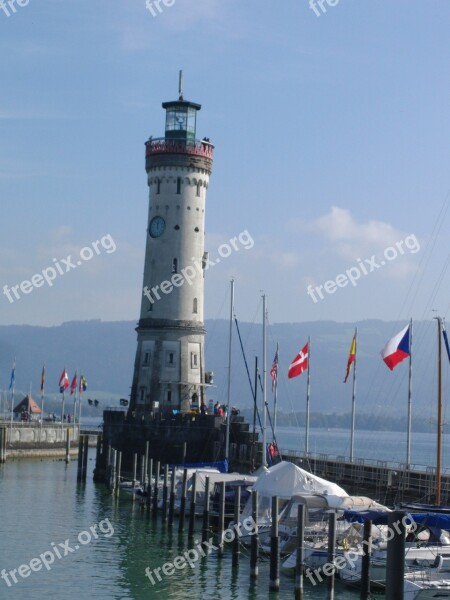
183	503
67	459
236	543
149	484
395	567
172	497
254	541
155	490
205	526
112	477
134	470
365	566
85	457
274	581
221	524
118	472
300	562
147	446
183	459
331	567
192	506
165	494
80	457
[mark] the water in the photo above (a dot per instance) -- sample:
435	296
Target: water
42	506
373	445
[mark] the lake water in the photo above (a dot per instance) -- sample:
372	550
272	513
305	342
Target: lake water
44	511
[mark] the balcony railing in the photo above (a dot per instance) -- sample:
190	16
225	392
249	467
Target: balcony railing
174	146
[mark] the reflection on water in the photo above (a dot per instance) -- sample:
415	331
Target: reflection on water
42	506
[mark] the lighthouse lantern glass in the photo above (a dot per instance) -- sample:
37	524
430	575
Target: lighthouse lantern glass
180	122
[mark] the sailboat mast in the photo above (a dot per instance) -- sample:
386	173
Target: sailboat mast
408	430
352	436
439	418
264	401
275	400
227	435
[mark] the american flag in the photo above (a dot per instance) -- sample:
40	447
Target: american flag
274	370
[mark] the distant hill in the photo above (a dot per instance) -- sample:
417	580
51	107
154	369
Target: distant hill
104	352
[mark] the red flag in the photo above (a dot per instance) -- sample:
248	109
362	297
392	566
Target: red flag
63	381
299	364
73	385
351	358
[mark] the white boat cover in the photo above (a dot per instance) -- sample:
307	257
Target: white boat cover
286	480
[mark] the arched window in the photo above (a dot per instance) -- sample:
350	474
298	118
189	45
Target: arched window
199	187
175	265
158	186
195	306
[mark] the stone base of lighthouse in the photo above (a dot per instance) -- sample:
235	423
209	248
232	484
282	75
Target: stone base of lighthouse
168	371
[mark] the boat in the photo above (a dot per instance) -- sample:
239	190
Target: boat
426	586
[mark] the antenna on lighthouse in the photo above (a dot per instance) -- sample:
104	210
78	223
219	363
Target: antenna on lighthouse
180	85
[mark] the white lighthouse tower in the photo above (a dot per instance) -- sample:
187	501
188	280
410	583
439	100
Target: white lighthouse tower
169	371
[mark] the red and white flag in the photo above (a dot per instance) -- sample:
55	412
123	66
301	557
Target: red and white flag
63	381
299	364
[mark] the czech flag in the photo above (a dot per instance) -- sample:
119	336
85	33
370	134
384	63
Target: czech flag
299	364
398	348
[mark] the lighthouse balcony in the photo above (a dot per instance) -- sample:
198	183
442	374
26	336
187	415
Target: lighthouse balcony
155	146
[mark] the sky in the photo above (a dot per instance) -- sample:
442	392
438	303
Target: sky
331	131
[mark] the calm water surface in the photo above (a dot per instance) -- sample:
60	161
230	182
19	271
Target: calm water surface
41	503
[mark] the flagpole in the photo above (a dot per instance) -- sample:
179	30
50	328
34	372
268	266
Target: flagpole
275	401
307	397
408	431
42	401
13	375
227	434
352	437
439	419
264	401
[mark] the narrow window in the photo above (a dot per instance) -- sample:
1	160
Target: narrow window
142	395
194	360
178	185
158	186
169	395
170	359
175	265
195	306
199	186
146	358
150	307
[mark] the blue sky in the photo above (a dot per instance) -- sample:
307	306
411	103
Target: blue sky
332	144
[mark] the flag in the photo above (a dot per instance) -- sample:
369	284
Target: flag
274	370
42	379
351	358
397	348
63	381
299	364
83	384
73	385
13	376
444	333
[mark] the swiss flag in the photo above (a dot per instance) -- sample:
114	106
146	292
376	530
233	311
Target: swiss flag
299	364
63	381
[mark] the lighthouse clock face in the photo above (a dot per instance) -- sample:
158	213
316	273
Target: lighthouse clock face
156	227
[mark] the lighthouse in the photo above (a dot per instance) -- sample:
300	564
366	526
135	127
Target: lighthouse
169	371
